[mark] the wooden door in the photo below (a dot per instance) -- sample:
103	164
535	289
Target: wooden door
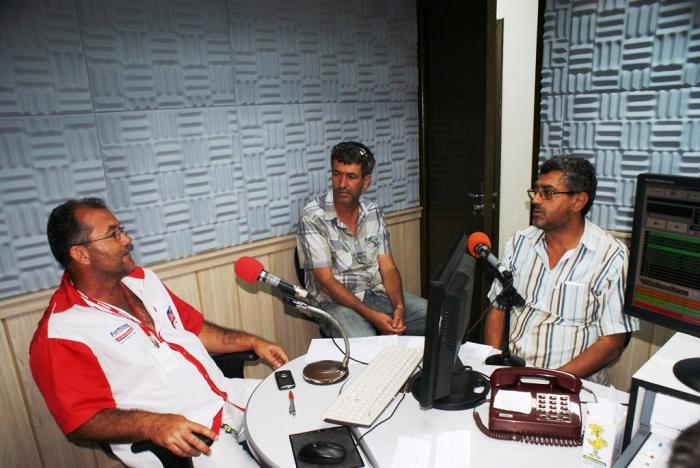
460	93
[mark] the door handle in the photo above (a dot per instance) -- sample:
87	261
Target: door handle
478	206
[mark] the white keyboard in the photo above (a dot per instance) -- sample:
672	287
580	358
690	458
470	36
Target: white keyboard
367	394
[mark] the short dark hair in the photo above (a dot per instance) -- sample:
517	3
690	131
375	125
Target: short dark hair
64	230
685	451
579	173
349	152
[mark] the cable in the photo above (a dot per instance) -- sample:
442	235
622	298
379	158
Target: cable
406	388
383	420
595	398
349	356
481	317
315	303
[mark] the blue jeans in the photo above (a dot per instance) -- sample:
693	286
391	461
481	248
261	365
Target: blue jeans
356	325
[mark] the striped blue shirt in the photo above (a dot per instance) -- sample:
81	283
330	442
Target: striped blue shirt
568	307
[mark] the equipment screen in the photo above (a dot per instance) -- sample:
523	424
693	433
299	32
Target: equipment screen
664	277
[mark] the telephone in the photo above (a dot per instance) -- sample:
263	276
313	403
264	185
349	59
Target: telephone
550	396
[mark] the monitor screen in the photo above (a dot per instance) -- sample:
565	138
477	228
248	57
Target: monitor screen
663	283
444	383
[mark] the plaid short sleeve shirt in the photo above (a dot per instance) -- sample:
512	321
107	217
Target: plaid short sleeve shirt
568	307
324	241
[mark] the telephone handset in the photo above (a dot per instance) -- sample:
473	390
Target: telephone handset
539	406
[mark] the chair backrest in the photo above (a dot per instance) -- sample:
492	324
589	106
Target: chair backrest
301	277
300	271
166	457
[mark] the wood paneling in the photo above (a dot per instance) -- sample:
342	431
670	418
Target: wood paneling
186	288
18	447
30	436
217	288
51	444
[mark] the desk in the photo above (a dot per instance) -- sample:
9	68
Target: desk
268	425
656	383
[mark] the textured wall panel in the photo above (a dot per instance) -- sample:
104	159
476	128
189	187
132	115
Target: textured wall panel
42	67
157	54
204	123
43	160
620	87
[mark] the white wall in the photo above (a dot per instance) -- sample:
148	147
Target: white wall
519	54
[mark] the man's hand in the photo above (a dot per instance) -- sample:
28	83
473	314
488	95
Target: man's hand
397	319
385	324
270	352
171	431
177	434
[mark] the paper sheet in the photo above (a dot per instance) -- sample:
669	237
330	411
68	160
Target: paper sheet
362	349
472	354
412	451
453	449
365	348
510	400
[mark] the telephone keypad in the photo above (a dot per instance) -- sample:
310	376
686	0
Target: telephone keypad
553	407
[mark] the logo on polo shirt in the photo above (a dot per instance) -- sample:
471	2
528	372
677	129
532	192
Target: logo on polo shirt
122	332
171	317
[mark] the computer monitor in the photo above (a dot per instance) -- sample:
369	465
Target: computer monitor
663	284
444	383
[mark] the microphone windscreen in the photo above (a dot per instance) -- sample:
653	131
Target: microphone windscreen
248	269
475	239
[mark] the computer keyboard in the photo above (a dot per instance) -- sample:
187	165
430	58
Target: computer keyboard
370	391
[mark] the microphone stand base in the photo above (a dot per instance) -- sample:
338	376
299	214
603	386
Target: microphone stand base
505	360
325	372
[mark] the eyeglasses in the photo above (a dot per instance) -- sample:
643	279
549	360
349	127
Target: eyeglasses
545	193
114	236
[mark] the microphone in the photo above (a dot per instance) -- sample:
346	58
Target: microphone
251	270
479	246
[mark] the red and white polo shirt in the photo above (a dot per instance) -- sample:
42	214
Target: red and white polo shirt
87	356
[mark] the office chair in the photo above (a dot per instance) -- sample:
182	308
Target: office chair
231	364
301	277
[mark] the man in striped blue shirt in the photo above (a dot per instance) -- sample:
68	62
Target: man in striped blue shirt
571	274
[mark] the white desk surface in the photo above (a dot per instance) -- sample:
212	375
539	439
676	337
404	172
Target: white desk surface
268	425
659	368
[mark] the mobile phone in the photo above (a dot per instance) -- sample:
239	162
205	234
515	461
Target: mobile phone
284	379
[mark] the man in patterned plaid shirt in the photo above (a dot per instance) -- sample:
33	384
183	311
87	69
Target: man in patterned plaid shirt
344	248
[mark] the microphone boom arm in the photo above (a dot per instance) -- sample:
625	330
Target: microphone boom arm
323	372
301	305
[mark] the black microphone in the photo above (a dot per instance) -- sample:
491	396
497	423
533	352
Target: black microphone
480	247
251	270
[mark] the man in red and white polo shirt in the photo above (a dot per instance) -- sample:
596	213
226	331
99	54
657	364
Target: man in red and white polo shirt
119	358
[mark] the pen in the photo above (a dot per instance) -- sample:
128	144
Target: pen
292	409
